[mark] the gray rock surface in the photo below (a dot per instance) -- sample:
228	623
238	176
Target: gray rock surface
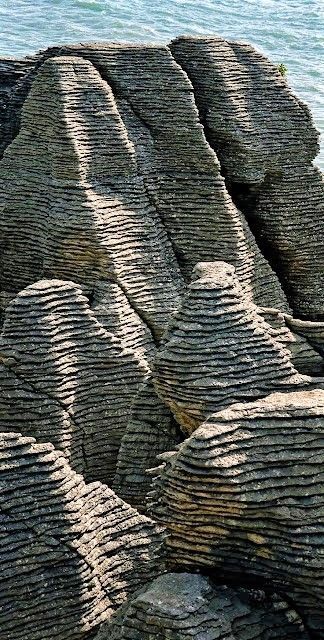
70	552
151	430
219	350
65	379
182	606
156	103
265	140
80	206
243	497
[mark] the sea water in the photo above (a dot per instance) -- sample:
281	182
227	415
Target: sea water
287	31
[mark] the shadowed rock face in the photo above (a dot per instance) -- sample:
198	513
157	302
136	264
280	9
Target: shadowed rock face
70	192
265	139
70	552
178	606
151	430
65	379
218	350
159	119
243	496
111	192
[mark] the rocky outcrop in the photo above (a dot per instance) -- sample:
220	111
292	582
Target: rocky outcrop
151	430
218	350
313	332
111	193
265	140
11	71
297	336
243	498
80	210
178	606
70	552
65	379
156	103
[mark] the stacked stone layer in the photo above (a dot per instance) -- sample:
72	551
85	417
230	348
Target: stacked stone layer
265	139
65	379
182	606
156	103
243	496
70	553
219	350
110	193
150	431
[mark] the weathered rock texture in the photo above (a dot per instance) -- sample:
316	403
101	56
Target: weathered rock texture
151	430
297	336
70	553
243	496
72	203
160	120
182	606
219	350
11	71
265	139
65	379
110	193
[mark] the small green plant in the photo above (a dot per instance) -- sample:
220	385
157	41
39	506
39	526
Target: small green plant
282	69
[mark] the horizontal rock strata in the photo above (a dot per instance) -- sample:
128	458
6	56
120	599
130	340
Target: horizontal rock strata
64	378
265	139
289	332
179	606
156	103
243	497
218	350
80	210
311	331
151	430
70	553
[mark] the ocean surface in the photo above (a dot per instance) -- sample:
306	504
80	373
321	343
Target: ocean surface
287	31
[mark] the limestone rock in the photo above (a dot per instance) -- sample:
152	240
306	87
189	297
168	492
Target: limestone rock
243	497
286	330
313	332
156	103
179	606
218	350
151	430
112	309
65	379
11	71
70	553
72	203
265	140
253	119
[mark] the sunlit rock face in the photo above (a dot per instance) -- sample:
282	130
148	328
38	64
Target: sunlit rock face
161	313
219	350
265	139
71	552
243	497
178	606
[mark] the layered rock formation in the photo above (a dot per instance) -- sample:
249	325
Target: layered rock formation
179	606
65	379
123	167
219	350
243	496
76	213
265	140
70	552
150	432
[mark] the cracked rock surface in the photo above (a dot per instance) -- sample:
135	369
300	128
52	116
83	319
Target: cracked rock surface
161	333
179	606
70	552
243	496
